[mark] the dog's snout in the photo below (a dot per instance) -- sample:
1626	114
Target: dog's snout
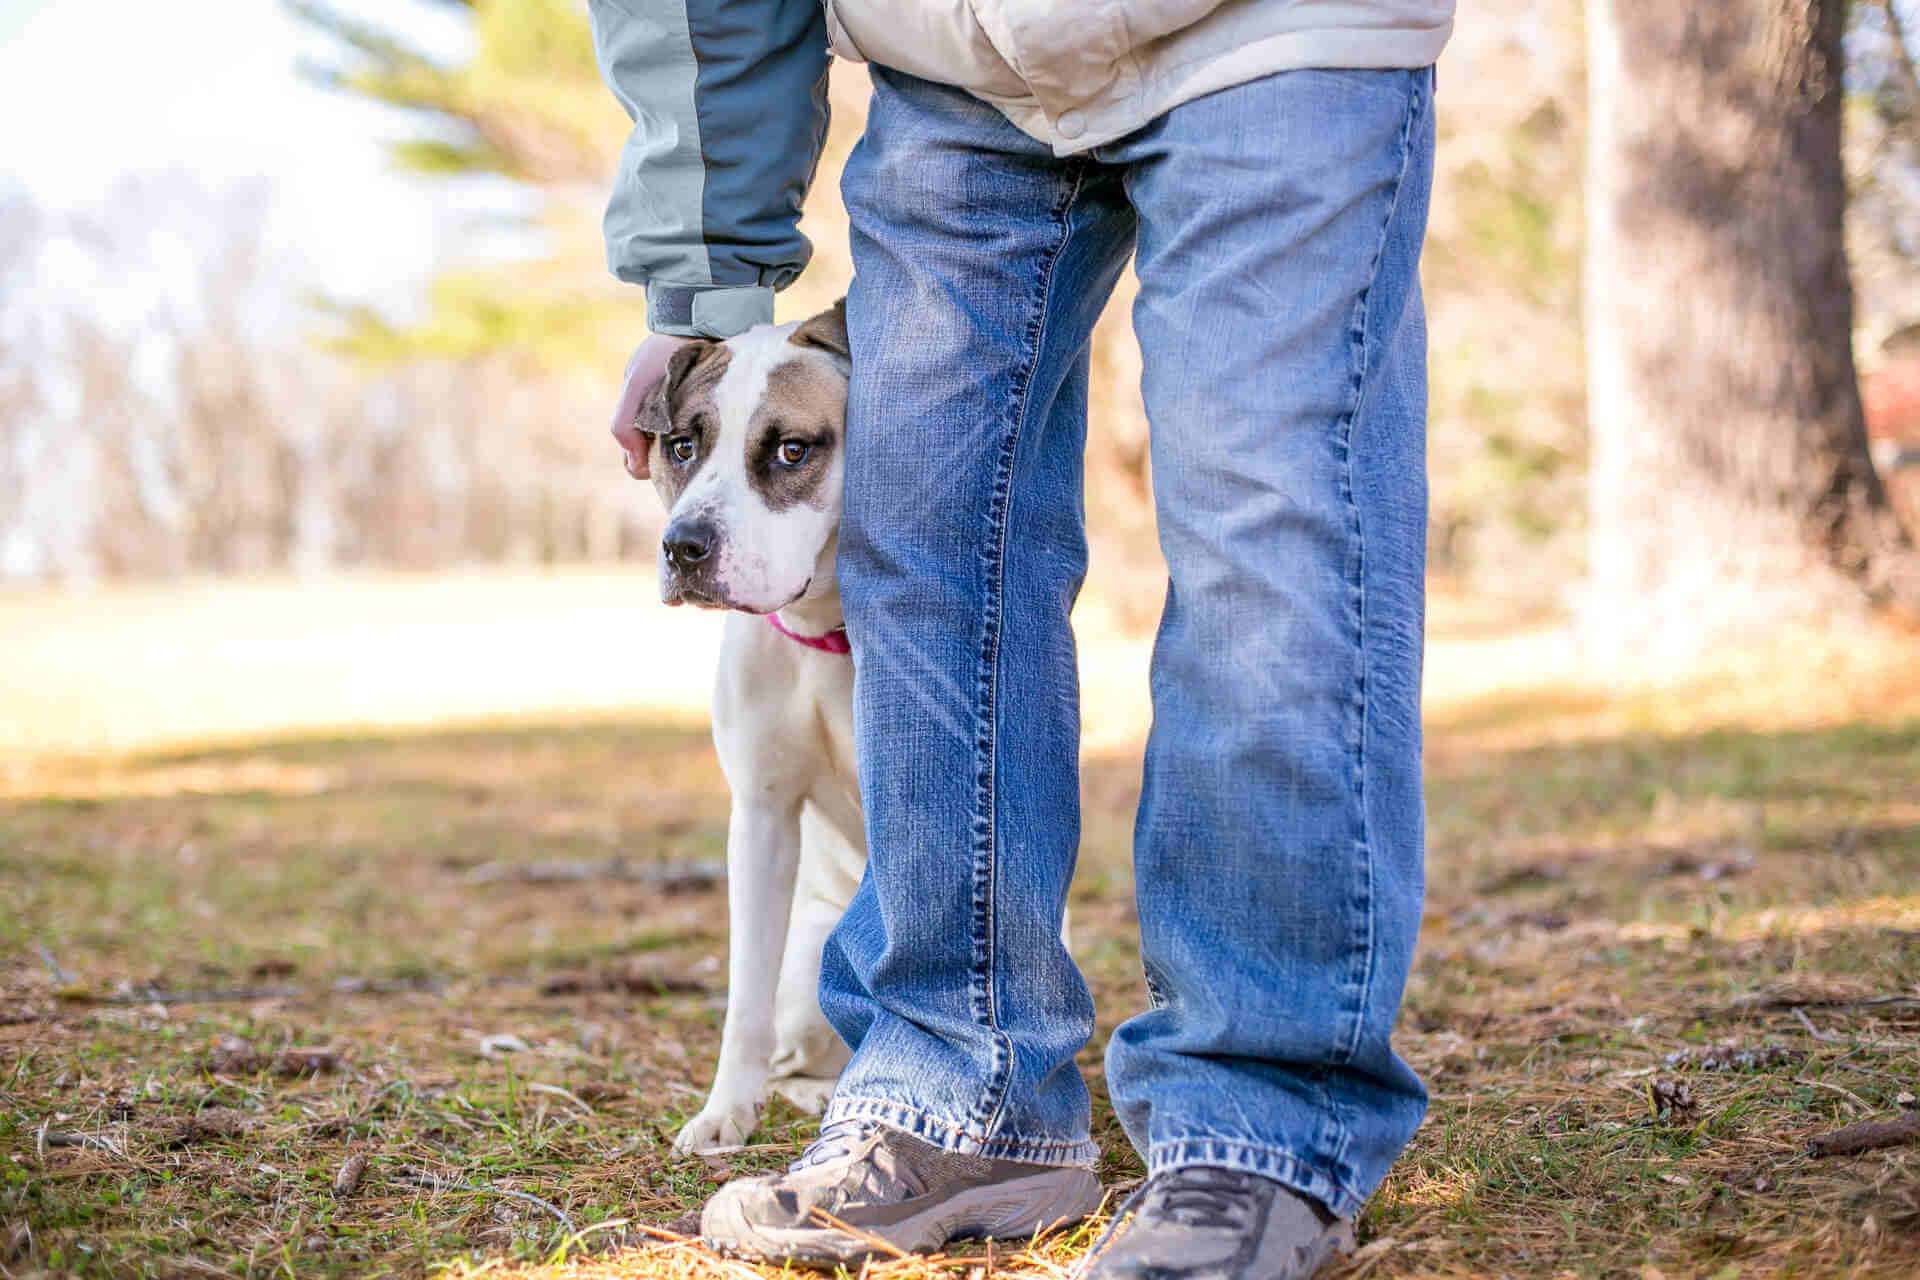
690	542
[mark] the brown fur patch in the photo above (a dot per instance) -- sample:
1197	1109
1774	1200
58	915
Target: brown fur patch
683	404
826	331
806	400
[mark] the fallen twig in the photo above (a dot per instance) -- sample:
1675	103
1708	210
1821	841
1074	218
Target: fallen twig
1775	1002
1362	1260
1829	1037
667	877
434	1182
631	982
220	995
1869	1135
385	987
154	995
670	1232
60	1138
876	1243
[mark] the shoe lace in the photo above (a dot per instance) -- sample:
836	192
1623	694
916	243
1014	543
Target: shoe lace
840	1138
1204	1198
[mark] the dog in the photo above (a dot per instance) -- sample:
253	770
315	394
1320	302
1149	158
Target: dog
744	446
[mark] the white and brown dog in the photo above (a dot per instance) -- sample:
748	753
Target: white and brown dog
745	450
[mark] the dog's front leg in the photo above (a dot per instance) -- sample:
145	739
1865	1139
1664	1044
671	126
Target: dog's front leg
763	855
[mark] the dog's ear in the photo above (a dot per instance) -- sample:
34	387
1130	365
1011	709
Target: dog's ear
655	415
826	331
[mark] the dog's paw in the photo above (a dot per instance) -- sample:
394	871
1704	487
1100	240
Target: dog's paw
718	1126
809	1094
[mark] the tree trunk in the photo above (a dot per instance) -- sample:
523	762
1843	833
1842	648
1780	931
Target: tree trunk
1730	480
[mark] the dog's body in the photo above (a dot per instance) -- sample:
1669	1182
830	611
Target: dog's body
745	451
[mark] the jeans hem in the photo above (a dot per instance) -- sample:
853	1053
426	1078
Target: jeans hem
1268	1162
949	1136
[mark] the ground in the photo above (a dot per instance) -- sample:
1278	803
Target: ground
1672	937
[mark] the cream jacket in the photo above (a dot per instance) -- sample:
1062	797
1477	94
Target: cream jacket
728	100
1078	73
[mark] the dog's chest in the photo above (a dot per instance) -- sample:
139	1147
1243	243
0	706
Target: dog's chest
783	716
823	686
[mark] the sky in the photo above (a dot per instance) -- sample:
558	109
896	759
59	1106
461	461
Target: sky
95	91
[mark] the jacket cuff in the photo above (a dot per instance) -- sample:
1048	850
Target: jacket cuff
707	311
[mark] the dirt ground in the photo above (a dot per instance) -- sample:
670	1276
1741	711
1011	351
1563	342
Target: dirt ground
416	1000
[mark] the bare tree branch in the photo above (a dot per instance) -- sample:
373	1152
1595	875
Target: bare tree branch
1903	67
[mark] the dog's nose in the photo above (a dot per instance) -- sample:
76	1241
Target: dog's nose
689	543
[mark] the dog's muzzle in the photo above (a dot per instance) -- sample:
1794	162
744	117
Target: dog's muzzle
688	543
690	550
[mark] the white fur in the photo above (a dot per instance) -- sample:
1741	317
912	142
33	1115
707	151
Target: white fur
783	726
765	560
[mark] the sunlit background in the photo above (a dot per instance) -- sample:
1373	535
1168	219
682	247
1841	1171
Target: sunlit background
313	294
356	798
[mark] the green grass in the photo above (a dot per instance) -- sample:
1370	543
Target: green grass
1594	908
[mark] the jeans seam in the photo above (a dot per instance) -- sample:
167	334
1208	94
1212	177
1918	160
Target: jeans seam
950	1136
1364	862
986	741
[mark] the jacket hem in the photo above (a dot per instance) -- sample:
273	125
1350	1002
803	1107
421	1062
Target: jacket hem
1353	49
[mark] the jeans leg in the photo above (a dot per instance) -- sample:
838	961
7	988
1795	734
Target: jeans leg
1279	843
981	262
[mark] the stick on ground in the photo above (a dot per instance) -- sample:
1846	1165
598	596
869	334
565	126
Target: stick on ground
1870	1135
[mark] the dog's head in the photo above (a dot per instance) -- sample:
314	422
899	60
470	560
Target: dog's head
745	452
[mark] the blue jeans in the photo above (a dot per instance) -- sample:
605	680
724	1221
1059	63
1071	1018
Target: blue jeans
1279	844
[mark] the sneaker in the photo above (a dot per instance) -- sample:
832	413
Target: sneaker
1216	1224
894	1192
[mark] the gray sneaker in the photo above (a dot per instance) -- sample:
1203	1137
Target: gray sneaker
1216	1224
893	1190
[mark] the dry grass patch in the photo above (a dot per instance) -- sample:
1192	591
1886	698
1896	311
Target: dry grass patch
1657	963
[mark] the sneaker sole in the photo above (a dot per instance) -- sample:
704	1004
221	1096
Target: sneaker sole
1014	1209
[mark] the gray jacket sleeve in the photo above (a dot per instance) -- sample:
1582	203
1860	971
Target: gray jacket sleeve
729	106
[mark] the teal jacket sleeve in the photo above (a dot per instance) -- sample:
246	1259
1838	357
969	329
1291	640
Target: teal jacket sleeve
729	106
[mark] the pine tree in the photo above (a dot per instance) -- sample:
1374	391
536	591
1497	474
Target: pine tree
527	105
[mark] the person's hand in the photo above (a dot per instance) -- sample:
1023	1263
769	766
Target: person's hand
645	368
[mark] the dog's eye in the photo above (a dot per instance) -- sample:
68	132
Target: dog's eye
794	452
681	448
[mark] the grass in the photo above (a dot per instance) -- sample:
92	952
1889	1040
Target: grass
1627	887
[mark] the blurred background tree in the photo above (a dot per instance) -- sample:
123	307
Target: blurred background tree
1502	268
161	415
487	398
527	105
1730	481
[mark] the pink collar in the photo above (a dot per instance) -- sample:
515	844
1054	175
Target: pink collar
835	641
